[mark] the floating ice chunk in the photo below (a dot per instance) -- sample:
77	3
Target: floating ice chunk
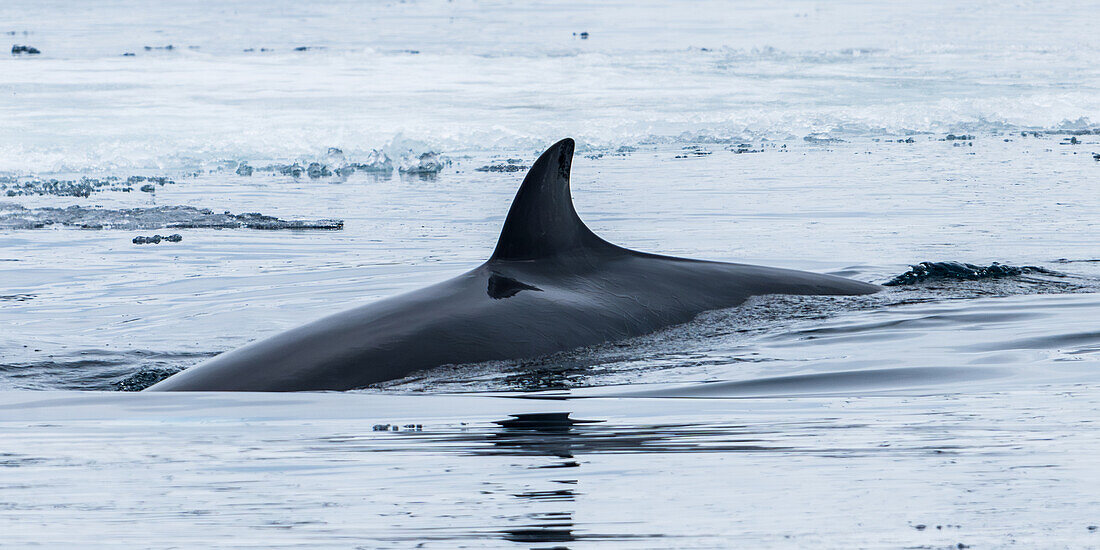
156	239
377	162
291	170
334	157
426	163
294	170
317	170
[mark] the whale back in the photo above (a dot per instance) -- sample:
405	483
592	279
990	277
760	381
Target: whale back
542	222
551	285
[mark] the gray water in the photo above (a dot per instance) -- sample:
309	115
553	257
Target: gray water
841	138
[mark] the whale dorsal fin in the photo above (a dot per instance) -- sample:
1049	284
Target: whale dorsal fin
542	221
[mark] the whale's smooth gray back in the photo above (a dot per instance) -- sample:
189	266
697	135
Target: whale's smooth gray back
551	285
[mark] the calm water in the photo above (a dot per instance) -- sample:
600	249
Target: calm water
846	138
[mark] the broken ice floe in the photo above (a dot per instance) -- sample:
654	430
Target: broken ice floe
84	187
14	216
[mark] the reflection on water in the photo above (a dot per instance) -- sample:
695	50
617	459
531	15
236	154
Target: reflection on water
559	436
556	434
550	434
542	434
307	470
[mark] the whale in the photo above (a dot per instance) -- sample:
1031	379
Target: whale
551	285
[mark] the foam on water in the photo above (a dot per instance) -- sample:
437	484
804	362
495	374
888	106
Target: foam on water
476	81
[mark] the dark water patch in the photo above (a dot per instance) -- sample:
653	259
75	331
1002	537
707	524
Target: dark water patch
1058	341
55	374
549	496
98	370
17	297
14	216
145	378
1084	351
924	321
15	460
939	271
831	383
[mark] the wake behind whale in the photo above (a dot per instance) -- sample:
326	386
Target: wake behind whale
551	285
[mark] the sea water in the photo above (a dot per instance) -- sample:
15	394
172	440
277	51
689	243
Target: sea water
848	138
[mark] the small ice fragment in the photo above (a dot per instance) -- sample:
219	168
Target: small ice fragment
155	239
317	170
501	168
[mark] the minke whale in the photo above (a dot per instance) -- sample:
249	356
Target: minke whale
551	285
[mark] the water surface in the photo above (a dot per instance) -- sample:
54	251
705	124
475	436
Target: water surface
842	138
